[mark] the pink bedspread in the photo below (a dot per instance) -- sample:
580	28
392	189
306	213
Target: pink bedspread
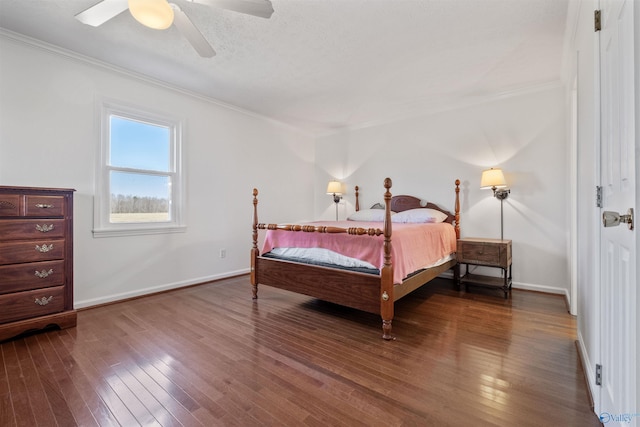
413	246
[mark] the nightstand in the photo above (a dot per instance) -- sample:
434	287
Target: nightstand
487	253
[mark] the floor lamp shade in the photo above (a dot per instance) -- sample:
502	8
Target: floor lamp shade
335	189
494	179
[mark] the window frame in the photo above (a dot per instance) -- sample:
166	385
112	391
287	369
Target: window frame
102	227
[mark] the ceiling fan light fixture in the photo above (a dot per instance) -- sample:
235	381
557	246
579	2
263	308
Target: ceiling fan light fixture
156	14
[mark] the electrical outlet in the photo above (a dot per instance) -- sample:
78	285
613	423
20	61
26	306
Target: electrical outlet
223	253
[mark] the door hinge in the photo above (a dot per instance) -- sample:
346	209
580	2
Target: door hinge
598	374
598	196
596	21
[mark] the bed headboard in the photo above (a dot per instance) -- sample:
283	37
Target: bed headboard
404	202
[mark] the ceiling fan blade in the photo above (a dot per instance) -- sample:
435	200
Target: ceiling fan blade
100	13
191	33
260	8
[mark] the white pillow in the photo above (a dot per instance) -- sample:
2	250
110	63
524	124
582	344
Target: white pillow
372	215
419	215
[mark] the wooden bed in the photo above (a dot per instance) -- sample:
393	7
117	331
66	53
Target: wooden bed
367	292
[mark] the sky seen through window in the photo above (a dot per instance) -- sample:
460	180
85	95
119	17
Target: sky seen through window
142	146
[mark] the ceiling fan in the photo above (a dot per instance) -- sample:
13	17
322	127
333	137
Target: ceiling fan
160	15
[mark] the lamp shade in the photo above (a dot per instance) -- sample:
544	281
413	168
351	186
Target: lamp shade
156	14
492	178
334	187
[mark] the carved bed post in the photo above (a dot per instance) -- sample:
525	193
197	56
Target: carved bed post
357	200
456	268
386	275
457	209
254	248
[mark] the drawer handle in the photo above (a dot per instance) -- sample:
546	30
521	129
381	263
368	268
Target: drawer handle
44	228
6	205
43	206
44	273
44	248
43	300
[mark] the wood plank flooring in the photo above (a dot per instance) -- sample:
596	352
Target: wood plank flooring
210	356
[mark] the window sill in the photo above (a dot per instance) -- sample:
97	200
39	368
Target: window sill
138	231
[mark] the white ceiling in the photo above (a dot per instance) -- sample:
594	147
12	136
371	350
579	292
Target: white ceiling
324	65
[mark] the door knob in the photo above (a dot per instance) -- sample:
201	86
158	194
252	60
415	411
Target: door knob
611	219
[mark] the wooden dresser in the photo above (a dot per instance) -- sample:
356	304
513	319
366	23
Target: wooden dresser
36	259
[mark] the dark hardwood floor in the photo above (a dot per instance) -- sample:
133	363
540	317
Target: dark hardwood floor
209	355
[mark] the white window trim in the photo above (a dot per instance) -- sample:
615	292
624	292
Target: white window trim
102	199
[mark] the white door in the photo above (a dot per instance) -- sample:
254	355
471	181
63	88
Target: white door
618	284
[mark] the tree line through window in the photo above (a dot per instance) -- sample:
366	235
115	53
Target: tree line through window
129	208
136	204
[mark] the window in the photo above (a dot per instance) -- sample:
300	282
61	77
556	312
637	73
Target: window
139	182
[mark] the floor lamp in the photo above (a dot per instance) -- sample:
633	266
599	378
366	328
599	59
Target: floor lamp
494	179
335	189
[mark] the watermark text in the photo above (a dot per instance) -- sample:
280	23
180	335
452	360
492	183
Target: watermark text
625	417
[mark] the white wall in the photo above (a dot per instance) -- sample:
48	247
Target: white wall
522	133
48	138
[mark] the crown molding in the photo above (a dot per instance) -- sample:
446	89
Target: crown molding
466	102
87	60
457	105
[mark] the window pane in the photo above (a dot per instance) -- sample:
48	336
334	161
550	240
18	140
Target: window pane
139	145
139	197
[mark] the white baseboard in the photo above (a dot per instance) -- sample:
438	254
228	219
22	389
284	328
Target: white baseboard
176	285
541	288
589	369
154	289
525	286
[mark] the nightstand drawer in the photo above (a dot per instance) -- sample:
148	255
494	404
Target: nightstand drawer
480	253
484	252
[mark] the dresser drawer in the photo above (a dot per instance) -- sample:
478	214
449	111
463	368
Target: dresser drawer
45	206
24	305
34	275
10	205
22	229
31	251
